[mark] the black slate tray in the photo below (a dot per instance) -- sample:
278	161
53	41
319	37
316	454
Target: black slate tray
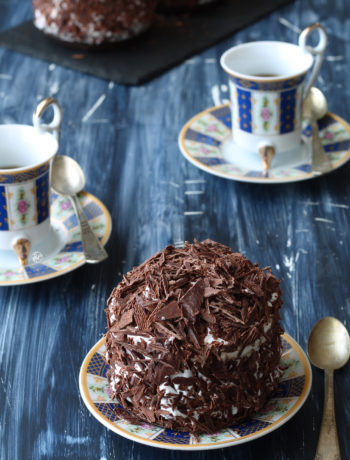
171	40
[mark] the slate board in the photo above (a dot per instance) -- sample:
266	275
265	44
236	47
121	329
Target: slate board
171	40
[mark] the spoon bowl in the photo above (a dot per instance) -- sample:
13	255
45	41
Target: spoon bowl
329	344
318	101
67	178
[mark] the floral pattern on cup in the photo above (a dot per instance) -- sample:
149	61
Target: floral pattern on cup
269	113
265	114
22	206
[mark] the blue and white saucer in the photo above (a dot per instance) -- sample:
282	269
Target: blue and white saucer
287	399
62	250
206	141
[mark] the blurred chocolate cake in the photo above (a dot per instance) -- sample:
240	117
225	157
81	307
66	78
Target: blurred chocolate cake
193	339
93	22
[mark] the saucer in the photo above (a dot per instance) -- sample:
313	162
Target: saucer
206	141
287	399
61	251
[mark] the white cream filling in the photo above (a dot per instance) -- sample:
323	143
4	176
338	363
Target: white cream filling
146	293
274	297
248	349
209	338
165	405
137	338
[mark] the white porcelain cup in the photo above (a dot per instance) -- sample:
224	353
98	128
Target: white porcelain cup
267	86
26	153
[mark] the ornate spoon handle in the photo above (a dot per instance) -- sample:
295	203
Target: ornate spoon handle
328	444
94	252
320	161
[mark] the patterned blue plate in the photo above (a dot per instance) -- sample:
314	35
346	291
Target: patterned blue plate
206	141
285	402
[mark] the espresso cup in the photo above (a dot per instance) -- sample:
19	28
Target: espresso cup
267	82
26	154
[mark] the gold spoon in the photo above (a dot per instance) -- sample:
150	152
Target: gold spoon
328	349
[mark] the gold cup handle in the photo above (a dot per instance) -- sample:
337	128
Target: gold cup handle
55	126
317	51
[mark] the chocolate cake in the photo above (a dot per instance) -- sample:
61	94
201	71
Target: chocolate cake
93	22
193	339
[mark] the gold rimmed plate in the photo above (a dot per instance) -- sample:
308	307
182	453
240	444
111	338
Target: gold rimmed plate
285	402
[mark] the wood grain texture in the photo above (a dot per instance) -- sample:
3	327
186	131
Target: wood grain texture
126	141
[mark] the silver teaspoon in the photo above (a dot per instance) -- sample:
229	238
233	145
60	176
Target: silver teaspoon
67	178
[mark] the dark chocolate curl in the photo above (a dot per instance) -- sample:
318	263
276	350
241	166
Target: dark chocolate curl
126	318
170	311
192	300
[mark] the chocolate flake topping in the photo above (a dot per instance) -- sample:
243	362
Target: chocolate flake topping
170	311
194	338
192	300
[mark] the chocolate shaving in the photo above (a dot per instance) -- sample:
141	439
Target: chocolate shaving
167	331
192	300
126	318
210	291
170	311
140	316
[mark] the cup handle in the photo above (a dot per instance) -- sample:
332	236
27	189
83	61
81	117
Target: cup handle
317	51
55	126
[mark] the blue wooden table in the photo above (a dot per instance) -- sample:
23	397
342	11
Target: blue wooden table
125	138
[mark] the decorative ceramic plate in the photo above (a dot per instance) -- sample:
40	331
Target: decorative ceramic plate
62	250
206	141
285	402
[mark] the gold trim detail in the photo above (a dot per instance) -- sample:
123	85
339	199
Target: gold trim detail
23	175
